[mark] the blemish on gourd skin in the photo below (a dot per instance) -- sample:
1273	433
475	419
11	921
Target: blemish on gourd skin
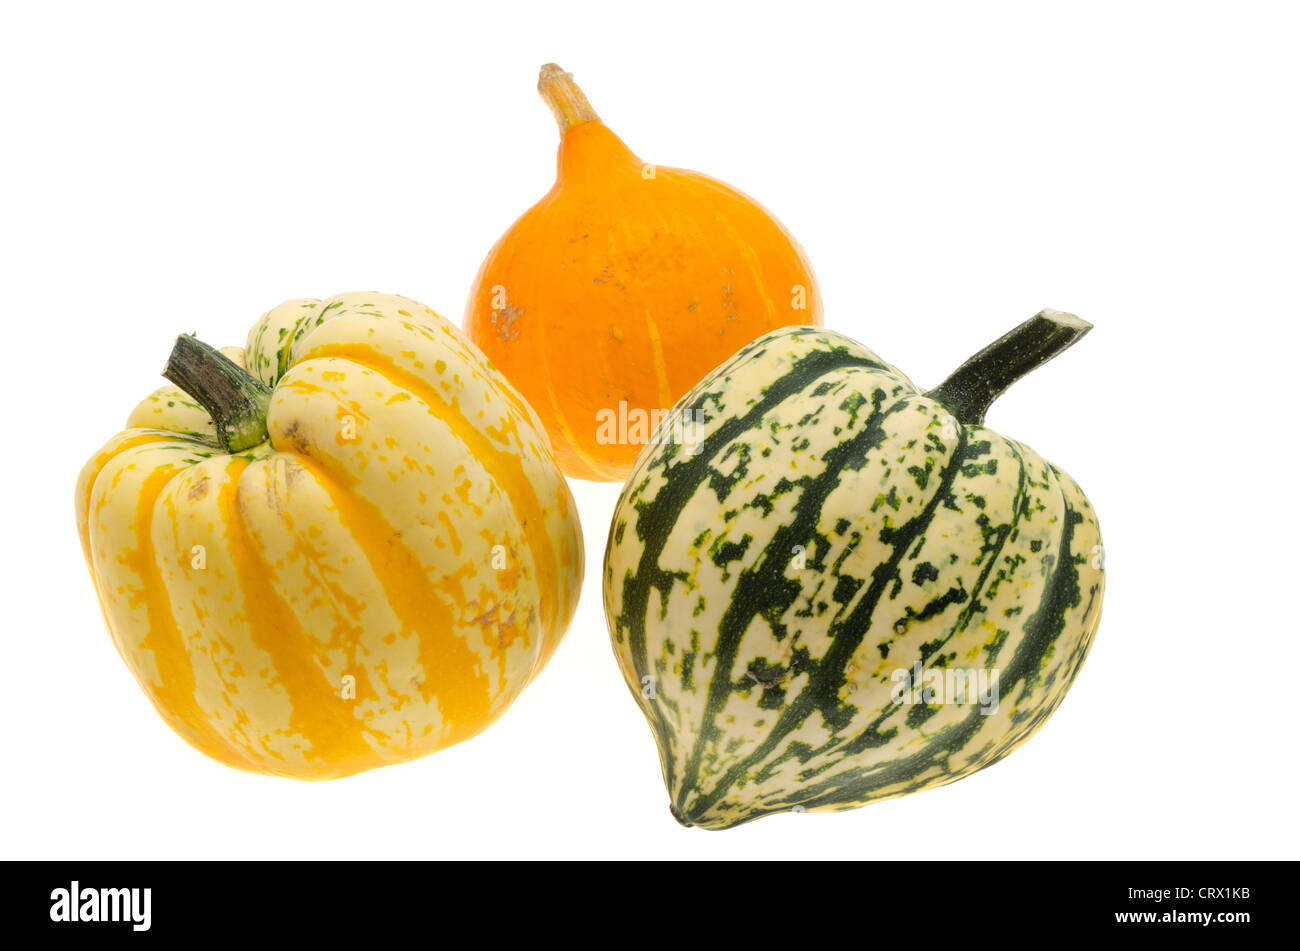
293	435
503	320
728	304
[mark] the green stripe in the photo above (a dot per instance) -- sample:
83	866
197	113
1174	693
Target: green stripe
822	692
683	479
871	736
1041	631
765	587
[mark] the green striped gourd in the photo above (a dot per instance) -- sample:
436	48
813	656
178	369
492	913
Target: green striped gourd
826	586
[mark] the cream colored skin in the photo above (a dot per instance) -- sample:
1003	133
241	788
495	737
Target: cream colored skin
682	625
376	581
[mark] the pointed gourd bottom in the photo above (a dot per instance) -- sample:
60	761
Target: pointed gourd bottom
377	580
823	590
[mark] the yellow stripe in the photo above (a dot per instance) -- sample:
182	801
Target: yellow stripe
506	468
661	368
745	248
452	674
337	736
92	470
175	696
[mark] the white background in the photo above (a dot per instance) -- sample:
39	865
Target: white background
949	170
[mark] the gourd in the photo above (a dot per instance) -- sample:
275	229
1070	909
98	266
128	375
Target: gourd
343	546
614	294
826	587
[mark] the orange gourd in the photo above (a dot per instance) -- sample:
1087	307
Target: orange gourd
627	283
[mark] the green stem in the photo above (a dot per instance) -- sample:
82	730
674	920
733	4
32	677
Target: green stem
233	397
969	392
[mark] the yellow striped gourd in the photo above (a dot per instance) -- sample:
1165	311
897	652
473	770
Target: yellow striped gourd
342	546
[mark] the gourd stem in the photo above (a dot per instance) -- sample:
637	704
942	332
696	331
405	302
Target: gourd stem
233	397
969	392
568	103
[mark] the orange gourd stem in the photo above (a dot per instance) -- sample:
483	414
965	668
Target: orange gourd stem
568	102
